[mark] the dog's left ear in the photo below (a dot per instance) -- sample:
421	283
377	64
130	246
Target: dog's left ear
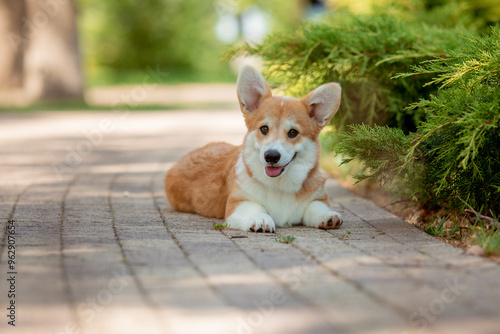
252	88
323	102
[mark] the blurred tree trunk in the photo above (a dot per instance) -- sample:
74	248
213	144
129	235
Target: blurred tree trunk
11	53
46	36
52	59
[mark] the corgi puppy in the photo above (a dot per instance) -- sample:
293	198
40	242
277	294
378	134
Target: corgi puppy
274	178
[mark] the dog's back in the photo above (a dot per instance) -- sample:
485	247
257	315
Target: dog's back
200	182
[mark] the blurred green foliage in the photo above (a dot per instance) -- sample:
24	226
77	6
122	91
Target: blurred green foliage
121	38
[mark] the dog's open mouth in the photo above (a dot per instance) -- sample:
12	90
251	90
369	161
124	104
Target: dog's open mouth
275	171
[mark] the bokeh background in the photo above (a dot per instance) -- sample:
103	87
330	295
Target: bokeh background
52	50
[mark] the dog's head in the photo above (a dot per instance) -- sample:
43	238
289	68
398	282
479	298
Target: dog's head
281	146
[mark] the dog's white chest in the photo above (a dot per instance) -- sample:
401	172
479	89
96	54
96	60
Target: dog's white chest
283	207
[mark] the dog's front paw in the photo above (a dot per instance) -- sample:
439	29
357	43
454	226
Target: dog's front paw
260	222
329	220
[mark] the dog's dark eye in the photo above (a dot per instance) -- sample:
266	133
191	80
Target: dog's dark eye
293	133
264	129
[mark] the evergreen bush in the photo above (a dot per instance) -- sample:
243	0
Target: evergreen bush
421	98
362	53
453	160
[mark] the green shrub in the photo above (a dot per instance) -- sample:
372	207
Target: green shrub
454	158
475	15
362	53
421	98
383	152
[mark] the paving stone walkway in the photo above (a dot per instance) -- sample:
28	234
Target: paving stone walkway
98	250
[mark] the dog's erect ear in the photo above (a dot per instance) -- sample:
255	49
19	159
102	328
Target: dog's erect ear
323	102
252	88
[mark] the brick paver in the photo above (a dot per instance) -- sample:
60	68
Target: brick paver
98	250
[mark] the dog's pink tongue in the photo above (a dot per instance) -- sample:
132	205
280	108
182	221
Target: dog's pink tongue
273	171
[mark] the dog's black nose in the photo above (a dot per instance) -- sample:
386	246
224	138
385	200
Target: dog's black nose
272	156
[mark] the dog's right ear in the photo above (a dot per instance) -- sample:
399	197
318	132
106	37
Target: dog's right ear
251	88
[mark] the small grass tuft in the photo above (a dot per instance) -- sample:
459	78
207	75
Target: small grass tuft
220	226
489	239
487	236
285	239
438	230
447	227
343	237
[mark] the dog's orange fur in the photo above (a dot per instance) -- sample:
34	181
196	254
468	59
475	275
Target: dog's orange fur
270	107
217	180
192	187
201	181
